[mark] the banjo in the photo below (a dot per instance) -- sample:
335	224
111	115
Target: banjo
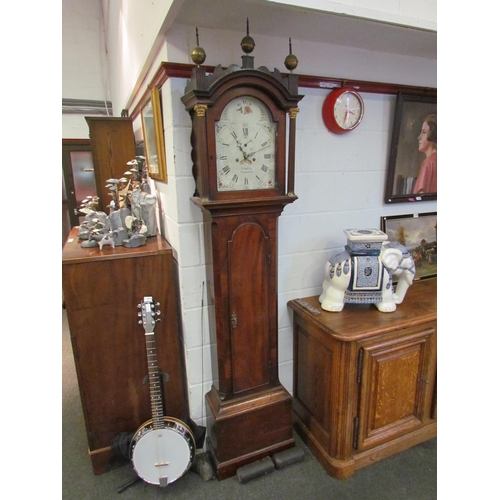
162	449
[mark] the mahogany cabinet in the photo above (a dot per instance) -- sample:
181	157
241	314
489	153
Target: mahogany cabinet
113	145
101	292
365	381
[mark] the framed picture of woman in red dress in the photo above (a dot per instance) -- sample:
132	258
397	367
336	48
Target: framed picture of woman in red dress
412	172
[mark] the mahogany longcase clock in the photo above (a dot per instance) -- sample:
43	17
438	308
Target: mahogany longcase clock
240	118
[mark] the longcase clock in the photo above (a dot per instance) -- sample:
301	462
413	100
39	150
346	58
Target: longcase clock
240	120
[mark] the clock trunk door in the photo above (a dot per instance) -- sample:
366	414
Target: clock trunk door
248	263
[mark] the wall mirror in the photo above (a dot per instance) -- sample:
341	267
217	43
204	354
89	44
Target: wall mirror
152	130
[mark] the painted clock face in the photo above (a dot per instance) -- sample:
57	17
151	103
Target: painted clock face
245	138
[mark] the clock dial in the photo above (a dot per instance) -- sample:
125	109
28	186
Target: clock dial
245	146
348	110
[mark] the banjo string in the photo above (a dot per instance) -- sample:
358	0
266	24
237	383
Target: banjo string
202	347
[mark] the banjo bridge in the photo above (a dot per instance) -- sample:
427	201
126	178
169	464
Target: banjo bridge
162	464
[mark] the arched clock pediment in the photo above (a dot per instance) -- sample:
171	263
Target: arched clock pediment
268	83
287	85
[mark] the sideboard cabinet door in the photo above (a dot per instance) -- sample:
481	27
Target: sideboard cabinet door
396	374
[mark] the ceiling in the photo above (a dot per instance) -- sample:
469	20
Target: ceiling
279	20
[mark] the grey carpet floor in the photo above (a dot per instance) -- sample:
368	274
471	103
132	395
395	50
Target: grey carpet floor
410	475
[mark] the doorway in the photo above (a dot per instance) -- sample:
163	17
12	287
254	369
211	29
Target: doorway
78	181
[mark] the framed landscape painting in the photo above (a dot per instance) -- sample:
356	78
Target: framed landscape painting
418	233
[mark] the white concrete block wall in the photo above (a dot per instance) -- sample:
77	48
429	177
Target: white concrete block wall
340	183
181	224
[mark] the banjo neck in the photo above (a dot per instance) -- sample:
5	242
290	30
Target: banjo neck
154	383
148	321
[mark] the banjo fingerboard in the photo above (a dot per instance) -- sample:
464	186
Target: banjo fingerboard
154	384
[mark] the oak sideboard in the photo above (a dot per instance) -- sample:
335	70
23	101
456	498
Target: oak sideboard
365	381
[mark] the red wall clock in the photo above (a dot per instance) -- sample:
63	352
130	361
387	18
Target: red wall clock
343	110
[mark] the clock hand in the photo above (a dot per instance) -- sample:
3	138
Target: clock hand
241	149
238	143
347	111
245	156
256	151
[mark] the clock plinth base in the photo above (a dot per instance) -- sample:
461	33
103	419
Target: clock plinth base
244	430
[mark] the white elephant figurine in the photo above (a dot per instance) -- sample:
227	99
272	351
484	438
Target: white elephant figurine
367	278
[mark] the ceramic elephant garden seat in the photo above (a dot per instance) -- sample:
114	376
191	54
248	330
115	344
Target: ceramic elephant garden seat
363	272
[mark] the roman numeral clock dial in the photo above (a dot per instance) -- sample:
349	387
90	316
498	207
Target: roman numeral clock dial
245	146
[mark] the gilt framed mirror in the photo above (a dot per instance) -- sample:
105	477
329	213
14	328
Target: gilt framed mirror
152	129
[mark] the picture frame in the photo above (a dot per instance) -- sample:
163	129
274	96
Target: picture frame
152	130
412	170
418	233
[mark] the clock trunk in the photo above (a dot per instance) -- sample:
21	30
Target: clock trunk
250	411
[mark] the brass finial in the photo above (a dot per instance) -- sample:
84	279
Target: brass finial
291	61
247	43
198	55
